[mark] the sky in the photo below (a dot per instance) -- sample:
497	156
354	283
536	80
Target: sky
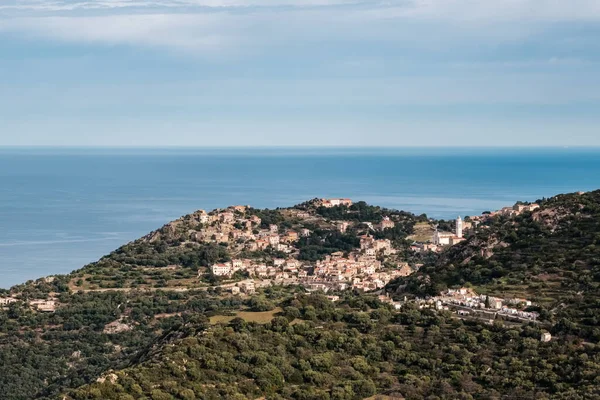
300	72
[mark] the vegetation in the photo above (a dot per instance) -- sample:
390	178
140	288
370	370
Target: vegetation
551	256
323	242
143	321
352	351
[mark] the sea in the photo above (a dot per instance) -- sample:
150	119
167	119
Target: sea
61	208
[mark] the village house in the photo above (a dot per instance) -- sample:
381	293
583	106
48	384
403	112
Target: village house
386	223
546	337
223	269
248	286
262	244
43	305
273	240
366	242
4	301
291	236
342	226
227	217
305	232
202	216
240	209
335	202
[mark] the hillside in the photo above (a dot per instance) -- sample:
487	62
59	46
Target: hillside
316	349
550	255
64	331
230	304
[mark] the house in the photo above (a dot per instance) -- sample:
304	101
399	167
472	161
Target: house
305	232
235	290
273	228
248	287
241	209
495	303
227	217
342	226
366	242
4	301
335	202
278	262
202	216
221	269
291	236
262	244
273	240
386	223
43	305
546	337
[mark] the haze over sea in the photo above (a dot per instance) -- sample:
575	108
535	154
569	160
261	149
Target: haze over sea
61	208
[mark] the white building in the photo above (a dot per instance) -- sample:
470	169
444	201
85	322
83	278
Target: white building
459	227
449	238
546	337
221	269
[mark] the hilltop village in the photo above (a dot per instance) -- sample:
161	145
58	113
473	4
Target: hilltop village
369	267
325	245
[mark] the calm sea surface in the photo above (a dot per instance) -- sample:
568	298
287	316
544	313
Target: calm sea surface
62	208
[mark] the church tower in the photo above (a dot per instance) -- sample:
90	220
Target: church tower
459	227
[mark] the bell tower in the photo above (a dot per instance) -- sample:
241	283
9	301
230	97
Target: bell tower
459	227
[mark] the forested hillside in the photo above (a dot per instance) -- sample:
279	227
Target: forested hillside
551	255
316	349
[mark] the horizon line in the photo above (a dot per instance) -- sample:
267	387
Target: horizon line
353	147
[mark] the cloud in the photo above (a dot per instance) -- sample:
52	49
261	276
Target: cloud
91	5
553	10
199	31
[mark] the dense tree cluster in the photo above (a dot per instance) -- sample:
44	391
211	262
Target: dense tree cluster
42	353
317	350
323	242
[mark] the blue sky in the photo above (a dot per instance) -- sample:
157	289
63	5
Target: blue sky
300	72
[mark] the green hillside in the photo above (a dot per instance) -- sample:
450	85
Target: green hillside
550	255
353	349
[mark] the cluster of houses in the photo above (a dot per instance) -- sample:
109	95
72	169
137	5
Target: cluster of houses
441	239
36	304
241	232
513	211
467	299
359	270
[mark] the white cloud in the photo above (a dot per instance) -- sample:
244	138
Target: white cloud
74	5
206	32
222	25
